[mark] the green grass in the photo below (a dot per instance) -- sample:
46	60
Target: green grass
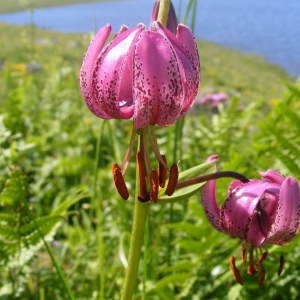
18	5
49	163
237	73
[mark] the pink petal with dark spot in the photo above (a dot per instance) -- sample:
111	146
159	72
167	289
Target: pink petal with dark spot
186	51
239	208
234	185
157	87
209	199
112	77
286	222
210	204
263	217
89	64
272	176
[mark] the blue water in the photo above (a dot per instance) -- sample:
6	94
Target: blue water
270	28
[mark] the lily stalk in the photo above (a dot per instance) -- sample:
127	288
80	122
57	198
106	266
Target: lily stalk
137	233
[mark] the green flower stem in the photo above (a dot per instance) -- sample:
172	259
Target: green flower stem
163	12
136	242
140	215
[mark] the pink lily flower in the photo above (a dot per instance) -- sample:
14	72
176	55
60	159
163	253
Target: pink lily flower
259	212
150	76
213	99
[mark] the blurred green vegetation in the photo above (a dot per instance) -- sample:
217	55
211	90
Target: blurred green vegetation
18	5
51	175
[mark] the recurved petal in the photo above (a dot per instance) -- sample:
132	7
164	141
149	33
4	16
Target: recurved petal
233	186
186	51
272	176
113	76
90	62
287	217
210	204
157	87
186	39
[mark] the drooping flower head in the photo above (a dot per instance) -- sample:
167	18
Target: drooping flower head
151	76
259	212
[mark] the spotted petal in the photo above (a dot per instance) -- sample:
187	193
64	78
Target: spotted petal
239	208
186	52
210	204
112	77
157	87
272	176
286	222
89	64
263	217
209	200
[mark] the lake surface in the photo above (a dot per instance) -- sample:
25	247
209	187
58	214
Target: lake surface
270	28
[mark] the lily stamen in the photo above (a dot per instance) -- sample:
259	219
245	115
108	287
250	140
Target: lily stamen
261	260
119	181
173	180
129	151
154	186
162	172
261	277
235	271
251	268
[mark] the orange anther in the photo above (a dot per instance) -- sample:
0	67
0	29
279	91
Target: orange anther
173	179
235	271
261	259
162	172
261	277
251	268
154	186
119	181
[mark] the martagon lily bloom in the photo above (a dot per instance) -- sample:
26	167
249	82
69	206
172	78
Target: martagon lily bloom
259	212
150	76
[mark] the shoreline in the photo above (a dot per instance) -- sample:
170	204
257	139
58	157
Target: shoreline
15	6
223	69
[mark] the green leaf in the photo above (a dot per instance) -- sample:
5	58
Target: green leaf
71	200
181	194
204	168
172	279
15	190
